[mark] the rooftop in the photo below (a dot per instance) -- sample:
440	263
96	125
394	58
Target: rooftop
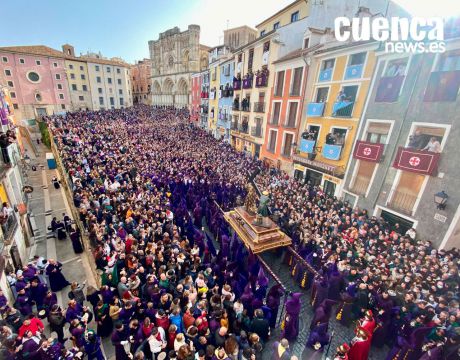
280	12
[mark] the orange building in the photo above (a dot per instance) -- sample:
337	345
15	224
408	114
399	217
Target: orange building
285	110
140	78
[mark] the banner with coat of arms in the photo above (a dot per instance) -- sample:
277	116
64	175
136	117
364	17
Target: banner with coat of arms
421	162
368	151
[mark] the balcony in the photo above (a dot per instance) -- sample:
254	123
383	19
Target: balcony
332	152
235	125
256	131
245	106
247	83
259	107
262	78
315	109
204	95
325	75
236	106
354	71
343	109
244	128
9	227
402	201
361	185
236	85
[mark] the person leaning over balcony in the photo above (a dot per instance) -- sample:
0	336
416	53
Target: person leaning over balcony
433	145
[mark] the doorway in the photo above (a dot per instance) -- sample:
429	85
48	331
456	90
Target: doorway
393	219
41	112
329	188
313	177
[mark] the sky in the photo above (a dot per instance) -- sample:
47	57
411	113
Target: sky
123	28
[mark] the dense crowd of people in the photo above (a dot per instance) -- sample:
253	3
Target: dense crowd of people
147	184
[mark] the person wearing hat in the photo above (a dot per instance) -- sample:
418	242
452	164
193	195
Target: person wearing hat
368	322
342	352
360	345
93	346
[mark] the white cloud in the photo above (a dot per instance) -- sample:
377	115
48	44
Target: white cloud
430	8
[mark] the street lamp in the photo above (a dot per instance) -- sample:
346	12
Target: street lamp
440	199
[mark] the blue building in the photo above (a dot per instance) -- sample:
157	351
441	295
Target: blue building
225	94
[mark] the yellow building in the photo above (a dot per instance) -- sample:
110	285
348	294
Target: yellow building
254	74
336	93
295	11
214	81
78	80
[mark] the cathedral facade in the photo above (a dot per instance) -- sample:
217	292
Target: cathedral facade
175	56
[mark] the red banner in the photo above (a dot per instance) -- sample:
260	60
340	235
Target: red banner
421	162
368	151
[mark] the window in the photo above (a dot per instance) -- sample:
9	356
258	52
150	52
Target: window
74	87
449	61
262	33
72	76
81	98
33	76
55	64
61	96
276	113
70	66
272	140
112	101
38	97
110	90
97	67
250	59
377	132
38	62
313	132
98	79
328	64
121	101
4	59
321	94
22	61
295	16
344	103
59	86
364	174
108	69
63	106
81	67
339	136
306	43
390	84
84	88
118	70
288	140
405	195
119	81
13	94
266	46
58	76
109	80
276	25
99	90
444	83
7	72
296	81
15	106
279	83
101	100
291	120
422	135
10	84
82	76
120	92
396	67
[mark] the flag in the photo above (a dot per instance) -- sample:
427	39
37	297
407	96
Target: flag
389	88
210	245
443	86
315	109
332	152
307	146
421	162
368	151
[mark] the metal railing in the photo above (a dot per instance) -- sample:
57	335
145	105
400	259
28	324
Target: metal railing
235	125
246	107
360	186
402	201
236	106
342	109
9	227
259	107
244	128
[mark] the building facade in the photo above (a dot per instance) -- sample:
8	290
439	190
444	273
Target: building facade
224	119
78	81
36	79
405	150
140	80
175	56
204	111
336	92
195	106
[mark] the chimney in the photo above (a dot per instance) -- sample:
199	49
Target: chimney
68	50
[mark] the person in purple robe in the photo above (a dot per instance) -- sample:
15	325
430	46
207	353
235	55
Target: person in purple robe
3	300
30	346
322	313
50	350
118	339
410	349
247	296
261	285
56	279
384	306
24	303
317	340
77	330
21	283
49	300
74	311
30	272
343	313
319	294
38	292
273	302
336	284
291	319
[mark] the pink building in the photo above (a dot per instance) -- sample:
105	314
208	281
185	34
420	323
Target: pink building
36	78
140	78
196	97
